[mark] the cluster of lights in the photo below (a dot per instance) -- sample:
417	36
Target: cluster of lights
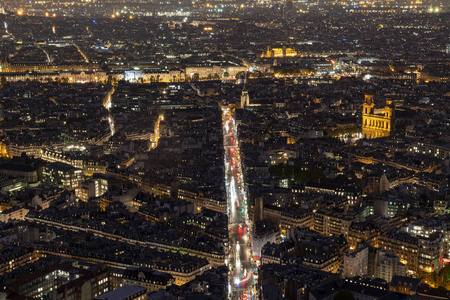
20	12
431	9
117	14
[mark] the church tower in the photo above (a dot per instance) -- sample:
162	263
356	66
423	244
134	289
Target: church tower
368	105
245	99
377	123
389	111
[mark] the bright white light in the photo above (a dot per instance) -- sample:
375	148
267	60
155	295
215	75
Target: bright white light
237	281
367	77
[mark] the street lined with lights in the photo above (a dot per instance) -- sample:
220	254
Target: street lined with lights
240	260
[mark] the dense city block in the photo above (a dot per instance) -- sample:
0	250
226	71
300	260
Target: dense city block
266	150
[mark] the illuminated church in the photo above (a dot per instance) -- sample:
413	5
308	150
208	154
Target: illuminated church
279	51
377	122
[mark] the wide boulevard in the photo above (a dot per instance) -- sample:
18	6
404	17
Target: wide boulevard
240	257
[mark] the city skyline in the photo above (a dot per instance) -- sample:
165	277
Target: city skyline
242	150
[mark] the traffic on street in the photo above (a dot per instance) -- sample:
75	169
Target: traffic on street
241	277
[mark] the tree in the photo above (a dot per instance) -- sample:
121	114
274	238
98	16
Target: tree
439	278
343	295
3	81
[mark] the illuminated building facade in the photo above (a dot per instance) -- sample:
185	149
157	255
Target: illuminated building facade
355	263
377	122
63	280
14	149
44	67
64	175
439	151
93	188
420	254
279	51
13	214
15	257
387	265
76	160
360	232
